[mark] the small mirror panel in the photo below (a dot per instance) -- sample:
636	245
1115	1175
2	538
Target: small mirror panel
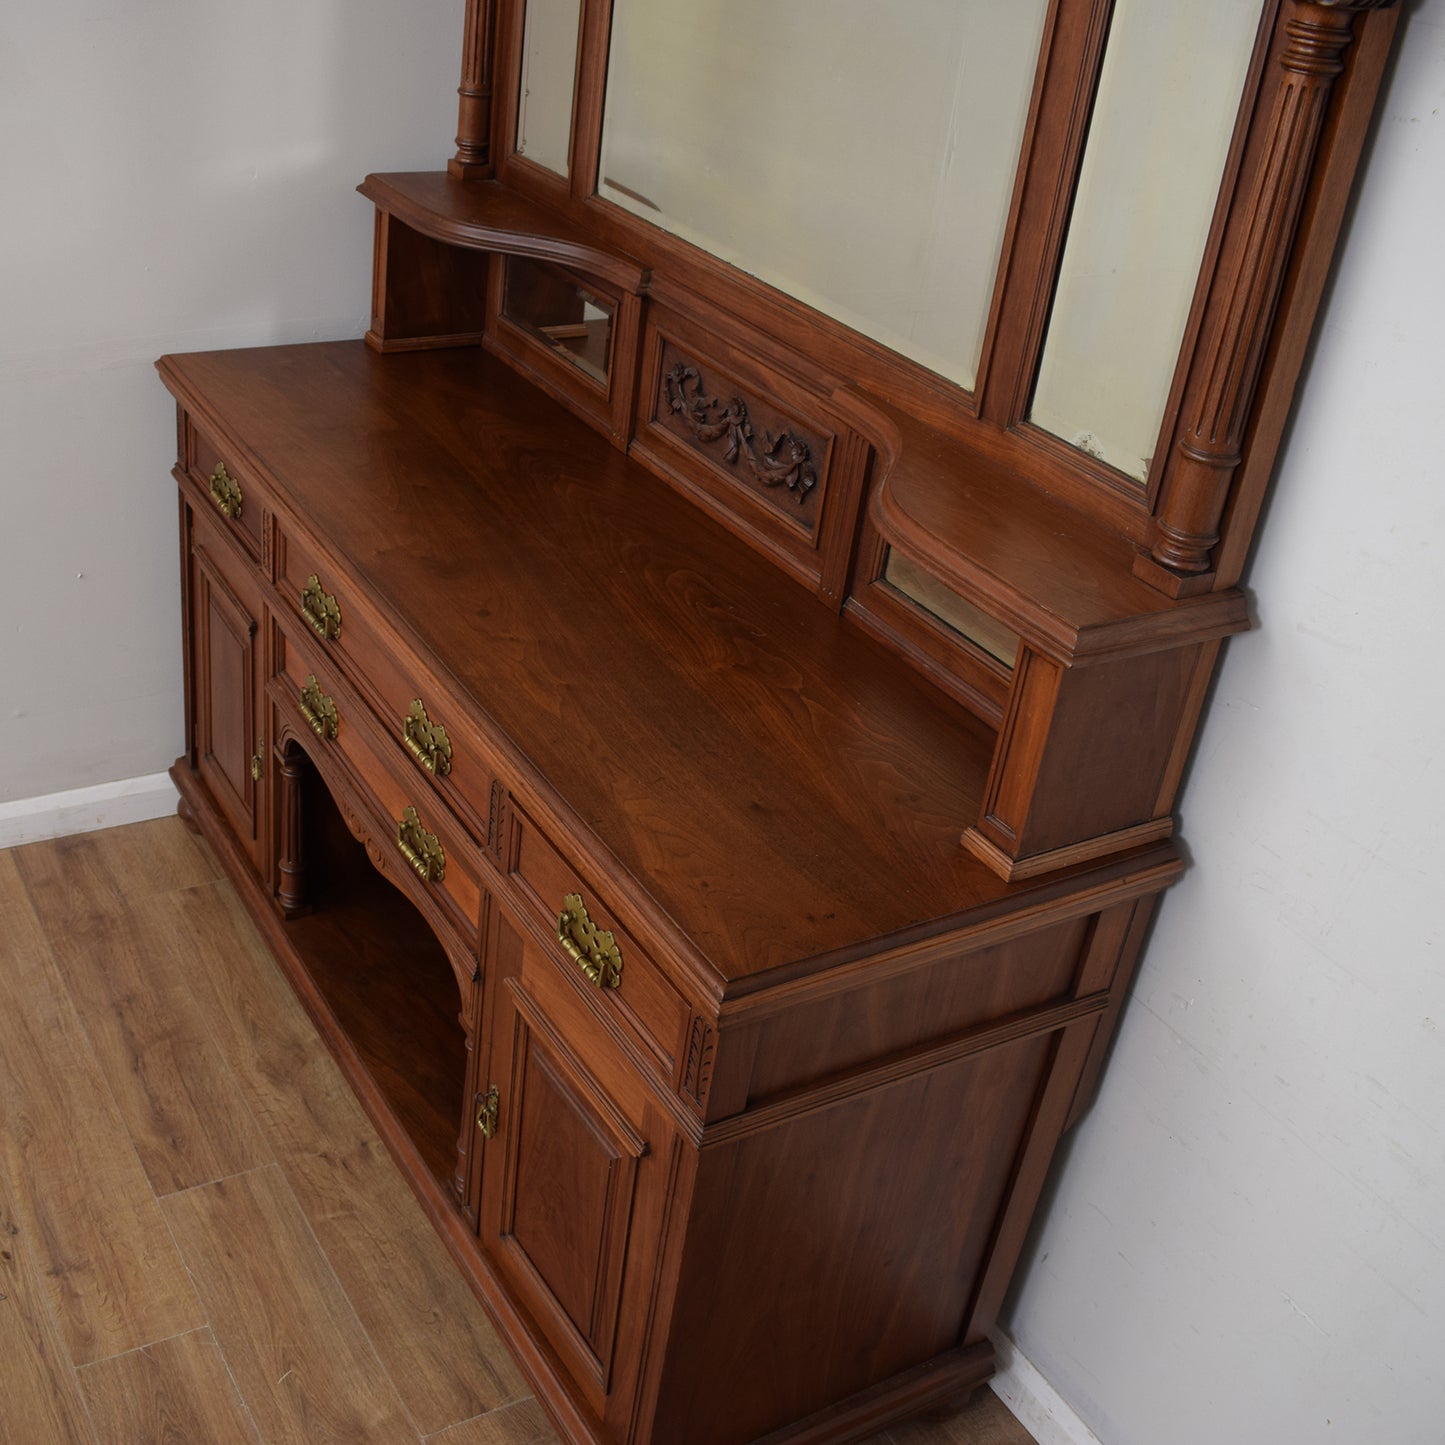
955	612
1168	97
804	145
551	305
549	77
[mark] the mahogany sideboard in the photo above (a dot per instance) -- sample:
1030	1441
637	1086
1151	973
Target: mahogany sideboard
708	779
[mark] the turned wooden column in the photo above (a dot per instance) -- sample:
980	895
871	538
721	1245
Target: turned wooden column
1239	319
473	160
291	855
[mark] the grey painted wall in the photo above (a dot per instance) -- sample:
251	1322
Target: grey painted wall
176	175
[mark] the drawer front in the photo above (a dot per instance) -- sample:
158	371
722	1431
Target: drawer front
410	705
555	892
226	489
420	828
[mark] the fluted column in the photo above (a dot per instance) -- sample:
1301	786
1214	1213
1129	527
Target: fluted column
1241	311
473	160
291	892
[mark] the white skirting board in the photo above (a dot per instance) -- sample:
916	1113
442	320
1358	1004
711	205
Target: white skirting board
1034	1403
82	810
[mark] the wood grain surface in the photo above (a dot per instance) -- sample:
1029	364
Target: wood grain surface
310	1256
736	745
294	1344
173	1391
81	1200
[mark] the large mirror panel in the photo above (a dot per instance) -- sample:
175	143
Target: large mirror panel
1167	101
803	144
549	79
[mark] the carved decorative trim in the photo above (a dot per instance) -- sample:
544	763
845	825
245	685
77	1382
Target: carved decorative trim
697	1077
785	460
1221	391
361	831
496	820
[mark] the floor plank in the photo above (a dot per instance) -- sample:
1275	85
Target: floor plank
985	1420
116	865
427	1326
295	1347
38	1386
520	1424
127	973
172	1392
80	1196
291	1084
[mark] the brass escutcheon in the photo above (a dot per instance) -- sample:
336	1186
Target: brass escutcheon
488	1112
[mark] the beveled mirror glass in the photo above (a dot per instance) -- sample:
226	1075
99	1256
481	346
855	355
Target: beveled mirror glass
549	78
1157	145
567	317
803	144
946	606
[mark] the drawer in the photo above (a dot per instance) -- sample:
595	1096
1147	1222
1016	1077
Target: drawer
225	488
444	864
410	706
550	887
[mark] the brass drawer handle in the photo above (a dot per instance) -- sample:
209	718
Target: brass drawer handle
320	609
225	492
420	848
594	950
426	741
318	709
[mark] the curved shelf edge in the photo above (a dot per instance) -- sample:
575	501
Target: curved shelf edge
1059	579
484	216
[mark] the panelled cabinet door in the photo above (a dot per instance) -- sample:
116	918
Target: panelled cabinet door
227	680
571	1183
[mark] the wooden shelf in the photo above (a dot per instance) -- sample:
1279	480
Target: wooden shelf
1061	579
387	981
484	216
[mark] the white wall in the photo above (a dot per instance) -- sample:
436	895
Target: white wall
1246	1245
174	175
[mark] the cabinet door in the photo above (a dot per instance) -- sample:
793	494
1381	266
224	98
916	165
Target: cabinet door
573	1175
226	682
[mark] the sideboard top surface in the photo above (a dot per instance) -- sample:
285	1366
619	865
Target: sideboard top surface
778	784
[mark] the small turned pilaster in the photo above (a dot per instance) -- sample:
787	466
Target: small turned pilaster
1220	394
473	160
464	1136
291	857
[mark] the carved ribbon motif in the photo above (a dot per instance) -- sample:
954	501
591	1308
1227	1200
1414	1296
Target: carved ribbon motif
782	461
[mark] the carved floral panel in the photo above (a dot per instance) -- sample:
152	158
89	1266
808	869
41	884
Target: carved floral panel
742	435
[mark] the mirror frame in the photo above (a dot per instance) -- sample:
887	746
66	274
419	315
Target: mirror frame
1302	119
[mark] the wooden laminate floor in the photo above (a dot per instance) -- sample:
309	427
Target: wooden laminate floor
201	1237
